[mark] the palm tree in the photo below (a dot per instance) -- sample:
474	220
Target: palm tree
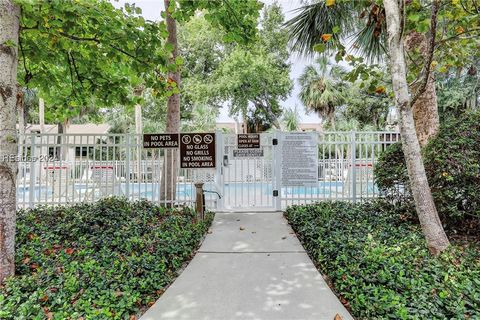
310	30
320	91
363	24
291	119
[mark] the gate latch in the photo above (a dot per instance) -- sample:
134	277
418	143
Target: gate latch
275	193
274	141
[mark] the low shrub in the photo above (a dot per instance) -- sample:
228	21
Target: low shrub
378	263
107	260
452	164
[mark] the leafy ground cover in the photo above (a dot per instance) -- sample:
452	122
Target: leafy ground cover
376	260
107	260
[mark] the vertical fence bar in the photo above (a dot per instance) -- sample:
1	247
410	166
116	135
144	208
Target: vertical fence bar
31	194
354	177
127	167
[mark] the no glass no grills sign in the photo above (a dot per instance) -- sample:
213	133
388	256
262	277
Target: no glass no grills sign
197	150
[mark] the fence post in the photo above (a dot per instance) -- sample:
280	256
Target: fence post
127	169
277	169
199	208
219	178
354	173
31	194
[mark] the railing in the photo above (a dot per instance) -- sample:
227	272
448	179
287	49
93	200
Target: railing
345	168
70	168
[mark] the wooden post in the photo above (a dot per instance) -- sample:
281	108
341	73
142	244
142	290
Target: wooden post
199	200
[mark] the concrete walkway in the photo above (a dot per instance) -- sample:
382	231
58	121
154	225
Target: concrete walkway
251	266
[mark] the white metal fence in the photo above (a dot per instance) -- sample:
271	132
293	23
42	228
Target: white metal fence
67	168
345	168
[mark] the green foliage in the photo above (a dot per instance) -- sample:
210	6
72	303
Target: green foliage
324	29
202	47
237	19
106	260
452	164
458	92
316	19
391	175
380	267
368	102
252	80
322	90
203	119
291	119
88	53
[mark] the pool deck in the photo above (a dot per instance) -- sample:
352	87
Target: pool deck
250	266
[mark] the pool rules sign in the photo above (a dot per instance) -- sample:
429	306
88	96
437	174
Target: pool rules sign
197	150
299	153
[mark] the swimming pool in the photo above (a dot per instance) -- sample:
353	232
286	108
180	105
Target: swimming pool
187	190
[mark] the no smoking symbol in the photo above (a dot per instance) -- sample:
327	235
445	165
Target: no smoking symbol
208	139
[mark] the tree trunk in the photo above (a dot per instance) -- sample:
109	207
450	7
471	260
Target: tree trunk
9	26
425	109
41	114
168	186
425	113
21	122
437	240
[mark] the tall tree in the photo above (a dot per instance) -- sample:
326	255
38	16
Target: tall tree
102	51
238	21
321	26
170	165
313	33
437	240
67	49
9	27
253	80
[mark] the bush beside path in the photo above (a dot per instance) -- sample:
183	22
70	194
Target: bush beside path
108	260
377	262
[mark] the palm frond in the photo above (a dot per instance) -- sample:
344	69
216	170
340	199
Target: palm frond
306	28
370	40
362	21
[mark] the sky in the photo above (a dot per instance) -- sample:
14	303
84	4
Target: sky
151	10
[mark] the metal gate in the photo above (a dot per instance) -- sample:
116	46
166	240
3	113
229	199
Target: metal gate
247	181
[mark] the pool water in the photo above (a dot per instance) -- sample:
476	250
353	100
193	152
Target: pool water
187	190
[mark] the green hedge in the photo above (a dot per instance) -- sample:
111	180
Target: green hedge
378	263
107	260
452	164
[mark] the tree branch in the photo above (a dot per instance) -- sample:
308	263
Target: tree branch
430	51
457	35
71	74
96	40
76	70
28	74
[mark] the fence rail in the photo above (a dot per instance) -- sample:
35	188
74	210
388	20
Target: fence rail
70	168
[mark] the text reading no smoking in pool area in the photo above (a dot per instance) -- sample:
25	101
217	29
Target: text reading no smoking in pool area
197	150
